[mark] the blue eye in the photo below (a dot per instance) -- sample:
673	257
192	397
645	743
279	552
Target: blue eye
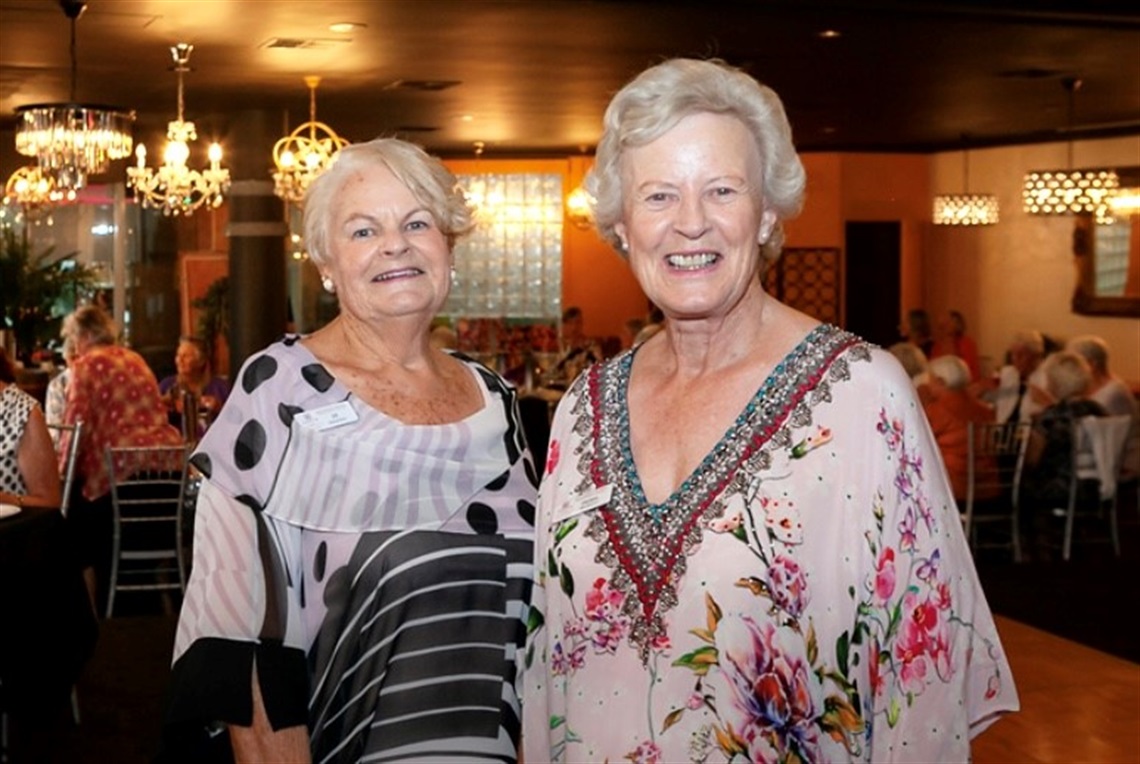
419	225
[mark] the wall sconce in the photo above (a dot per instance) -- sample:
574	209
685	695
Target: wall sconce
580	208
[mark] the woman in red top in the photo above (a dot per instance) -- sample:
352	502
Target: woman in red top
950	408
954	341
115	394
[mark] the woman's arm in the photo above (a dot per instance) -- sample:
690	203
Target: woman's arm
38	466
260	743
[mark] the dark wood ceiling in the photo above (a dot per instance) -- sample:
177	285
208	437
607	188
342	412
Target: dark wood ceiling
532	77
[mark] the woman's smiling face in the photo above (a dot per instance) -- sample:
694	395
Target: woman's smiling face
387	255
693	217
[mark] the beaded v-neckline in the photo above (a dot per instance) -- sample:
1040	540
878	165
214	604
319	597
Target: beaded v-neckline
646	544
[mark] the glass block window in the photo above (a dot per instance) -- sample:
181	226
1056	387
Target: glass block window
1112	252
511	265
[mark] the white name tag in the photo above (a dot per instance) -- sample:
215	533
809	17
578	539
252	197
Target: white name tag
584	502
327	417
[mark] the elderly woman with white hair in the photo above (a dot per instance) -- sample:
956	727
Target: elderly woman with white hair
1049	453
744	549
364	528
1111	392
950	408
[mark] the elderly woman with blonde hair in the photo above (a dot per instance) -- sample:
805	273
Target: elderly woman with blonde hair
364	527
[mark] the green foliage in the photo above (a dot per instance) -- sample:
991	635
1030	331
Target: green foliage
214	321
37	291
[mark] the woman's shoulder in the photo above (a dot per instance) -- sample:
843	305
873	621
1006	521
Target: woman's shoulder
284	362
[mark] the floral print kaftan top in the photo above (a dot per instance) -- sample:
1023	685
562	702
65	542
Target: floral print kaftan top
805	595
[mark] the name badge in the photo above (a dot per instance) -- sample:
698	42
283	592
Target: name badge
327	417
584	502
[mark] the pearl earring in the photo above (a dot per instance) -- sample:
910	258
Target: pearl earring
328	284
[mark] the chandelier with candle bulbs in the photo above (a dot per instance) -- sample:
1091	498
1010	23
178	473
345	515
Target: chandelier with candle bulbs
305	153
71	141
173	187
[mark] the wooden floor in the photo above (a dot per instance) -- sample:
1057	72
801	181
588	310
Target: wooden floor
1077	704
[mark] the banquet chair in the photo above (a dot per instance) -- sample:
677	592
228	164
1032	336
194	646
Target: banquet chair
148	488
995	459
1108	438
68	476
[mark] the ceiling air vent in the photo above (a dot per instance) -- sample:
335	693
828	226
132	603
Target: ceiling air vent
302	43
424	85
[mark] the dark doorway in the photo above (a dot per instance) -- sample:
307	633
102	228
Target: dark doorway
872	288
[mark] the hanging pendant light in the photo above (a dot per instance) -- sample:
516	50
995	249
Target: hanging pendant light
965	209
175	188
305	153
72	141
1069	191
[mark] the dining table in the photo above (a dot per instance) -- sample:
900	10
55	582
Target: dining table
48	627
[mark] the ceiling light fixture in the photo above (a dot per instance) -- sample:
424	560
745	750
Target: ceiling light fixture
175	188
965	209
305	153
1068	191
71	141
34	190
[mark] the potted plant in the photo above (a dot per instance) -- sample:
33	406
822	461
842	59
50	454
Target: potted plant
36	292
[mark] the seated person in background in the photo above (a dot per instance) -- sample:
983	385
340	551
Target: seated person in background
114	393
55	398
950	408
1110	391
577	350
1019	391
918	331
1049	453
192	361
914	361
954	341
28	474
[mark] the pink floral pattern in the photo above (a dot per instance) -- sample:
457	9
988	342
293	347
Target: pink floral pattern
781	664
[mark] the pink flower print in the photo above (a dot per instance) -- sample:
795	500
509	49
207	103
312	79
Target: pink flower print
603	608
783	520
767	691
602	600
727	524
788	585
695	701
661	643
647	752
878	683
942	597
885	576
558	662
993	686
552	454
910	657
577	657
573	627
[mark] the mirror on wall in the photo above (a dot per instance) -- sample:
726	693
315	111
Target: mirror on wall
1108	259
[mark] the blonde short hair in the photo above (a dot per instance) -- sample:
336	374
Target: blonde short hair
430	182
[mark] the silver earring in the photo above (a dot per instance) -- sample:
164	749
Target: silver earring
328	284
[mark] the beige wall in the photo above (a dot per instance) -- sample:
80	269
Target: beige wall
1019	273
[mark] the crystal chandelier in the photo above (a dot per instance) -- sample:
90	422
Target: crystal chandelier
965	209
174	188
1068	191
71	141
305	153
